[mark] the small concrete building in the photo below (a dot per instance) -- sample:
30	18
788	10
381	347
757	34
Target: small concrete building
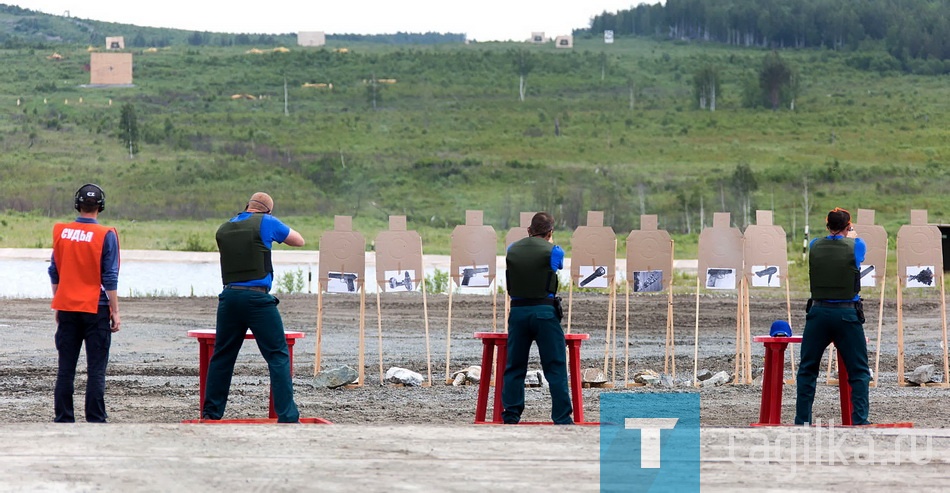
538	37
115	42
311	38
564	42
110	68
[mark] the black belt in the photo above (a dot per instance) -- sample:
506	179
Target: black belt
248	288
832	304
533	302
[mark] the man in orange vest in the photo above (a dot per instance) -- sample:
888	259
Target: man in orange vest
84	272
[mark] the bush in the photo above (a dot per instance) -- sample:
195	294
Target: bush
290	282
438	282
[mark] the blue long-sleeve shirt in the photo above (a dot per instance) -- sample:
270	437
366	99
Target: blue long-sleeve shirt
109	264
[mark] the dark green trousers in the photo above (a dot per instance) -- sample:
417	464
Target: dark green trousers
527	324
239	310
824	326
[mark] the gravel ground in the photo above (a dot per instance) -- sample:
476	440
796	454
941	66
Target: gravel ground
153	370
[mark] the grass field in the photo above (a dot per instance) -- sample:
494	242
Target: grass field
611	128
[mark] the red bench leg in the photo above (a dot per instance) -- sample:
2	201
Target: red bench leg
497	407
481	404
844	392
574	363
205	349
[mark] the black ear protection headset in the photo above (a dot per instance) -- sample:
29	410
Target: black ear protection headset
80	199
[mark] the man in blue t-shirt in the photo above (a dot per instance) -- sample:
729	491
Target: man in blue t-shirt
532	265
245	303
835	315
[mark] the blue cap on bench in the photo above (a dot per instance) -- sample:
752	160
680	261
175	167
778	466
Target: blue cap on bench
780	328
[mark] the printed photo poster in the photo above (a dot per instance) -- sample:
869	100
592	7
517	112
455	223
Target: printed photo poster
593	276
868	276
647	281
720	278
399	280
766	276
474	276
920	276
342	282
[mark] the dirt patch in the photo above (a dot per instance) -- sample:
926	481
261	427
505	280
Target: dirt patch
153	372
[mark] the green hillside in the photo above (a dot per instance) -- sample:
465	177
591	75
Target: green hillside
432	130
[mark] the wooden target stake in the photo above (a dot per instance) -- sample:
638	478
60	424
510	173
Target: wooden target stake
739	321
448	337
832	362
425	316
900	329
494	305
670	341
507	311
943	321
696	338
608	340
791	347
747	334
316	365
880	324
362	356
626	346
612	316
379	326
570	302
670	354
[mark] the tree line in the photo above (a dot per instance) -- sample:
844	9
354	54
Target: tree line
909	29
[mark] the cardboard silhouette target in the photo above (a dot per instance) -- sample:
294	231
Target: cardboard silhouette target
513	235
342	260
873	271
919	250
720	259
765	265
473	256
650	269
399	268
594	256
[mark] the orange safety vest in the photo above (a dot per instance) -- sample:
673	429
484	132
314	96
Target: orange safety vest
77	251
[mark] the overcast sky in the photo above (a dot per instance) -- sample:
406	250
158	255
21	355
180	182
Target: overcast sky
483	20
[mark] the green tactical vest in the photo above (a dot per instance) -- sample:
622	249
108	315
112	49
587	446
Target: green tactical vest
832	269
244	256
529	273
